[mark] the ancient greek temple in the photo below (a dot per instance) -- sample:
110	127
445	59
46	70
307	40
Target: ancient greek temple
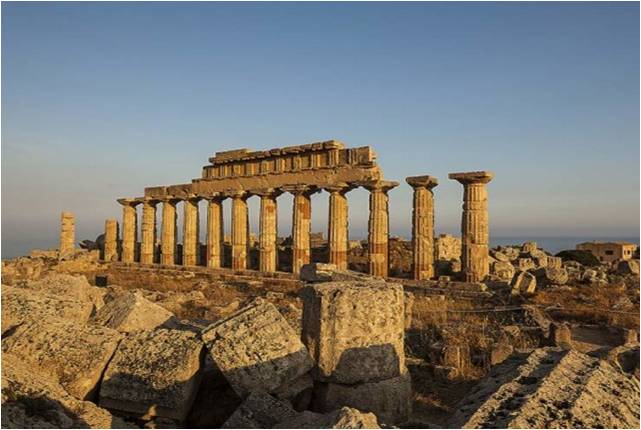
301	171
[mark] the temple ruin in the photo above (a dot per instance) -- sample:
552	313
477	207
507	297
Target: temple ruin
301	171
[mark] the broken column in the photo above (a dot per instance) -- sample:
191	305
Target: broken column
378	226
268	229
215	231
129	229
423	225
111	240
67	232
338	233
355	331
148	232
301	224
239	230
168	245
474	224
190	231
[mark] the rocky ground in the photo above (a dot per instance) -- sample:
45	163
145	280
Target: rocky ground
545	342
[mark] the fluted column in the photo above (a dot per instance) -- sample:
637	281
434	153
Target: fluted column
110	252
239	230
268	261
301	224
378	226
148	232
423	225
337	229
475	234
168	234
215	231
129	229
67	232
190	231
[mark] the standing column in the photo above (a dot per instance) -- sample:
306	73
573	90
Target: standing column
474	225
110	252
268	229
190	231
337	230
148	232
129	227
67	232
215	231
423	225
378	226
301	224
168	234
239	230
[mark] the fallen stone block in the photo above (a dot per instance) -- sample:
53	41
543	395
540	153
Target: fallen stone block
297	392
69	286
130	311
256	349
260	411
524	282
323	272
154	374
524	264
555	262
355	330
390	399
628	267
503	270
529	247
343	418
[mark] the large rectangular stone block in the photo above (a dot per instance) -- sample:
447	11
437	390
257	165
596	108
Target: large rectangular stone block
355	330
256	349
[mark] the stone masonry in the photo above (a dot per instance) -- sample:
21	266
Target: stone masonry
67	232
423	225
110	251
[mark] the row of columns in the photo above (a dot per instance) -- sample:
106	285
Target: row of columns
268	250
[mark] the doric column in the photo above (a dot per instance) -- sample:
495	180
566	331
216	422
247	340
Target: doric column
301	224
423	225
148	232
378	226
474	224
337	228
110	252
67	232
190	231
268	229
129	229
215	231
239	230
168	233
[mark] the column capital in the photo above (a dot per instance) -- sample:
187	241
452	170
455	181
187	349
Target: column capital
466	178
340	187
170	199
383	186
236	194
425	181
193	198
267	192
129	202
299	189
213	197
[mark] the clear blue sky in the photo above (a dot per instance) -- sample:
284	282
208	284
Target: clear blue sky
101	100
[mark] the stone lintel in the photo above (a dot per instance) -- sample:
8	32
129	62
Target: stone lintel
426	181
301	189
384	186
480	177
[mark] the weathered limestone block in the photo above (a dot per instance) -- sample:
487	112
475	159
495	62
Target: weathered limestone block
22	304
499	256
523	282
154	374
323	272
524	264
130	311
110	252
343	418
297	392
553	276
390	399
355	330
74	355
448	247
504	270
31	399
260	411
67	233
256	349
628	267
540	258
529	247
554	262
68	286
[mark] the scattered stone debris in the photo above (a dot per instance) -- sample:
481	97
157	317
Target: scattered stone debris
130	311
343	418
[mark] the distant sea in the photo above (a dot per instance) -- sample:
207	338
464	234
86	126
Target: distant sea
557	244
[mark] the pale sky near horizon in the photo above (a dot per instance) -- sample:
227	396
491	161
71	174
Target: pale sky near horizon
100	100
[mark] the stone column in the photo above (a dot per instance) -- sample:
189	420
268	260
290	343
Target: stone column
268	229
168	234
190	231
148	232
67	232
239	230
378	226
215	231
423	225
129	229
301	224
337	229
110	252
475	235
